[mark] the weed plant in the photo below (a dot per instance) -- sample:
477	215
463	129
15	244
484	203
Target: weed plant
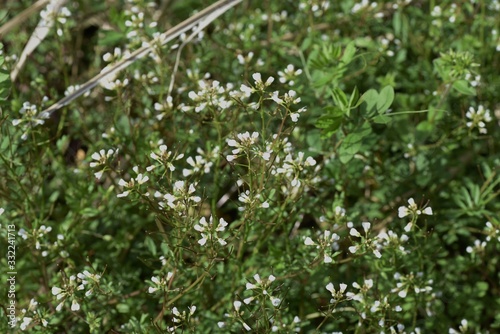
301	166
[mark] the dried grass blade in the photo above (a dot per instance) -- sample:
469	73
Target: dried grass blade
41	31
203	18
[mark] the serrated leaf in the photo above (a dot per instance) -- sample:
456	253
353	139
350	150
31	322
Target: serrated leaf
385	99
463	87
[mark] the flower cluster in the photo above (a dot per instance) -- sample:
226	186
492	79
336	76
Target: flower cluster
180	198
164	157
209	231
337	295
260	288
133	183
201	163
325	243
411	282
259	85
31	317
160	283
82	281
372	244
251	200
413	210
289	74
182	317
318	7
295	171
101	158
492	234
237	314
54	12
391	239
210	96
30	118
39	236
244	143
478	119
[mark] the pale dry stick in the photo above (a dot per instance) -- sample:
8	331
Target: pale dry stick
23	16
204	18
203	24
41	31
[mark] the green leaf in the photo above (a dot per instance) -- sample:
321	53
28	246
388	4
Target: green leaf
306	44
354	101
482	288
123	308
334	111
385	99
151	246
435	114
330	124
381	119
339	98
353	142
349	53
349	147
463	87
370	97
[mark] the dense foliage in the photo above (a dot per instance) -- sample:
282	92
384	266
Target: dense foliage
302	166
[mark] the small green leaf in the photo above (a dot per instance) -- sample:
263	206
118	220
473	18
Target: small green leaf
482	288
151	246
370	98
381	119
339	98
123	308
349	147
334	111
435	114
354	101
463	87
425	126
385	99
349	53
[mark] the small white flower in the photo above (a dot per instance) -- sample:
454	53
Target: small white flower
309	242
354	233
75	306
275	301
56	290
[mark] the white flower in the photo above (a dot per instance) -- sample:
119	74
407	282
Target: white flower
427	211
309	242
74	305
354	233
56	291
